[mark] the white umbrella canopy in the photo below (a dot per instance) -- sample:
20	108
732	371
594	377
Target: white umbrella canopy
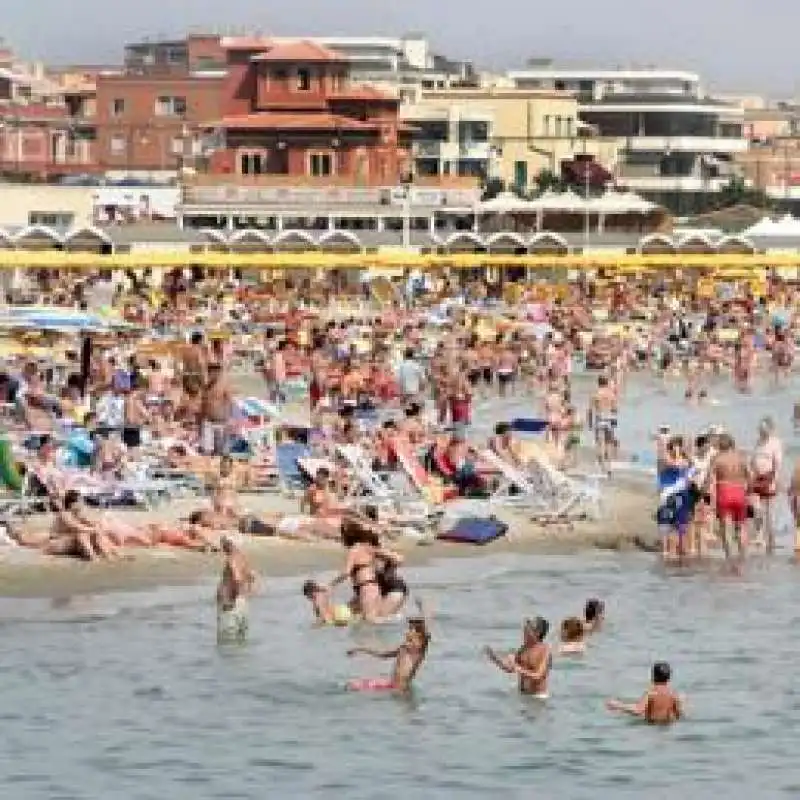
565	202
613	202
764	227
637	204
788	226
506	203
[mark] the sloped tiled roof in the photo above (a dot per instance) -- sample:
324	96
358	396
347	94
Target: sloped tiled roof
363	92
300	51
245	43
287	121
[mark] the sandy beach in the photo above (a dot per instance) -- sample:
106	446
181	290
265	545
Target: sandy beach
627	524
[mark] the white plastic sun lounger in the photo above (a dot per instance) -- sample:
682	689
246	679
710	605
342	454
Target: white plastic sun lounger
575	492
369	484
517	488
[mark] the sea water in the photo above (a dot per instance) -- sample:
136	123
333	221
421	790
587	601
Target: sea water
130	698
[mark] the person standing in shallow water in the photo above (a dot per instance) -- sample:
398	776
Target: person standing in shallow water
729	484
531	662
235	586
659	705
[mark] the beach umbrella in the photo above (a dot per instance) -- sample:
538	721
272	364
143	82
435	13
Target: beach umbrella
764	227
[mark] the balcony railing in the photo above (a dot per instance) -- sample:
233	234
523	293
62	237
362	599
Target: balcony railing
201	190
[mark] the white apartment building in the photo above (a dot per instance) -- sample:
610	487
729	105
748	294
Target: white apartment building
678	144
451	139
403	65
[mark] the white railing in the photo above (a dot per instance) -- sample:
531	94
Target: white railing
232	195
672	183
687	144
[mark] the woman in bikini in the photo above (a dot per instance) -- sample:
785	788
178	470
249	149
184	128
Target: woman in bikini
363	552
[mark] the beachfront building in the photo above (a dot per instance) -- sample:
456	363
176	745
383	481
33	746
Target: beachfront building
45	123
679	144
150	114
292	110
61	206
402	66
773	167
500	132
771	164
385	214
148	125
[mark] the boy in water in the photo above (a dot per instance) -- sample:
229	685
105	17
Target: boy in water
660	705
532	661
408	658
594	612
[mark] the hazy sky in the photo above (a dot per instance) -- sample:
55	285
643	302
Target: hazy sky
737	45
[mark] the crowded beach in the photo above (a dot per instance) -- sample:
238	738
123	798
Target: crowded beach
148	412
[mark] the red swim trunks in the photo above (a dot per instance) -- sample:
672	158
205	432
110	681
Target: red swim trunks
371	685
731	502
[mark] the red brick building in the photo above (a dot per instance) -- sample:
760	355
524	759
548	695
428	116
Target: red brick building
290	110
228	106
151	121
46	128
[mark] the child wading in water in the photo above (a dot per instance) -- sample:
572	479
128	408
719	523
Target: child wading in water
408	658
660	705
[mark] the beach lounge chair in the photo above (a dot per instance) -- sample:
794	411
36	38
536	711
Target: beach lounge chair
287	458
429	487
575	493
375	487
517	488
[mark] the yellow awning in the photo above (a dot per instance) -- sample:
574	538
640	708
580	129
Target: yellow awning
621	263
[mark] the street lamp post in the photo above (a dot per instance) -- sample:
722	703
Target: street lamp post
586	219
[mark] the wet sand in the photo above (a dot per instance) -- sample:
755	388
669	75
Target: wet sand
627	524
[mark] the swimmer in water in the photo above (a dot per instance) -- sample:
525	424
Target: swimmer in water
326	612
408	657
573	637
660	705
594	612
532	661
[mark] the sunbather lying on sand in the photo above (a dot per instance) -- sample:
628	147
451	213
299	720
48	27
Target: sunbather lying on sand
72	534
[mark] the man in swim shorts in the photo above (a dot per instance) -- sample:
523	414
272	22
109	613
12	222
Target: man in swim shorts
660	705
729	483
235	586
532	661
603	419
408	658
